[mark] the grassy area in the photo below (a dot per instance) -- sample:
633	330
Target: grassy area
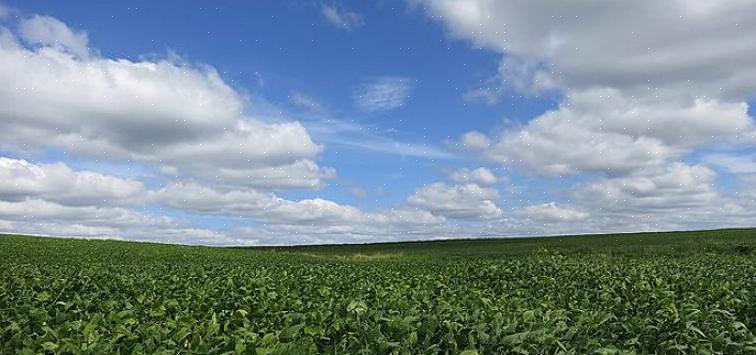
692	292
632	244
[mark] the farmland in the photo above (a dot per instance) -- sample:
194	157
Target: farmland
674	293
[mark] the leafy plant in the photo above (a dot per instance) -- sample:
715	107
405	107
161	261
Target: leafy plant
689	294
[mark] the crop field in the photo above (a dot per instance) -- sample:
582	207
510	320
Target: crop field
670	293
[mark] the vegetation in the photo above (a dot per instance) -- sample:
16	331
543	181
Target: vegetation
638	293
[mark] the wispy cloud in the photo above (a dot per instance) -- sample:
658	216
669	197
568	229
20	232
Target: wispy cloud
363	137
305	102
736	164
329	128
383	93
4	11
341	18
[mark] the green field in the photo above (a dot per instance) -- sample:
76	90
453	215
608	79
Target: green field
668	293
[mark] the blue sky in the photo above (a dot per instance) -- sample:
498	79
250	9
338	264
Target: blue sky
329	121
276	50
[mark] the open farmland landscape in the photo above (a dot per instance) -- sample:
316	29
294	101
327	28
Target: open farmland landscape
670	293
378	177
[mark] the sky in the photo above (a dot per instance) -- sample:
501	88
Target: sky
309	122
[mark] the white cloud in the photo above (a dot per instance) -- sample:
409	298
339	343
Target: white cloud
184	121
750	191
346	20
53	199
634	96
268	208
358	191
676	186
603	130
552	212
5	11
474	140
634	103
736	164
49	31
20	180
468	201
40	207
678	196
391	224
339	132
284	221
263	206
480	176
674	197
152	232
7	39
306	102
627	46
41	211
383	93
600	130
166	113
642	86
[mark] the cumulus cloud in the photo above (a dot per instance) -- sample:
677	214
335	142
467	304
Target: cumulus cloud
676	186
603	130
468	201
49	31
480	176
340	18
53	199
677	196
474	140
160	232
37	210
263	206
166	113
641	87
21	180
629	46
383	93
634	96
552	212
180	119
316	220
271	209
184	121
634	103
36	216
